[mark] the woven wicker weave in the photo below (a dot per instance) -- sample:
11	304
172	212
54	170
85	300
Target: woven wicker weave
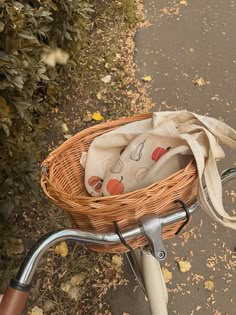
63	183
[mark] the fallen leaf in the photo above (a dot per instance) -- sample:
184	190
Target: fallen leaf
209	285
77	279
68	136
87	116
48	306
184	265
215	98
170	11
106	79
166	274
36	311
186	236
174	10
165	10
66	287
99	95
64	127
97	116
184	2
15	246
117	261
74	293
147	78
62	249
200	82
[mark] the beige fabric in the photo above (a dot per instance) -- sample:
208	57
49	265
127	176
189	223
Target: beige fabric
141	153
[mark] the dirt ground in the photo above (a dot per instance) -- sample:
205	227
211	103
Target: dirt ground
73	279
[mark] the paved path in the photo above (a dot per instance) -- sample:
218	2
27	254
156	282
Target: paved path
187	42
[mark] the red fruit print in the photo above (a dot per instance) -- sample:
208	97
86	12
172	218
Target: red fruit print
115	187
158	153
95	182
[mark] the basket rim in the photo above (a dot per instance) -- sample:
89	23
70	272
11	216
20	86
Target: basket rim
48	162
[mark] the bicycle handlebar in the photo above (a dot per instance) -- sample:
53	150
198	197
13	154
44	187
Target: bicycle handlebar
16	296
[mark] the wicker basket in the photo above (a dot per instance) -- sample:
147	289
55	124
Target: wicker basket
63	182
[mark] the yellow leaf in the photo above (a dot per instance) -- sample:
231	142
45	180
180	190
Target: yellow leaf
62	249
97	116
184	2
117	261
66	287
99	95
147	78
74	293
200	82
64	127
209	285
184	265
186	236
106	79
166	274
36	311
77	279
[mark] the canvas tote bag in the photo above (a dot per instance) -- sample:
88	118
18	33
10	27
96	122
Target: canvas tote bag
143	152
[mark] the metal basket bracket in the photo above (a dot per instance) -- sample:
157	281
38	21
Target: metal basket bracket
152	229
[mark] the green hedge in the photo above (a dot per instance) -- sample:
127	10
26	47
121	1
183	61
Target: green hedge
29	29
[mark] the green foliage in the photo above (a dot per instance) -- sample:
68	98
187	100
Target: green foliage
127	9
27	28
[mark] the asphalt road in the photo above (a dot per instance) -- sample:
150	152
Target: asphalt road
187	41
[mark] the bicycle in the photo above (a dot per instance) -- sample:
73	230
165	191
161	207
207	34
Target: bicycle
144	261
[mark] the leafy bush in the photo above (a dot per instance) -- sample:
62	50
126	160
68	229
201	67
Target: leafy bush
27	29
